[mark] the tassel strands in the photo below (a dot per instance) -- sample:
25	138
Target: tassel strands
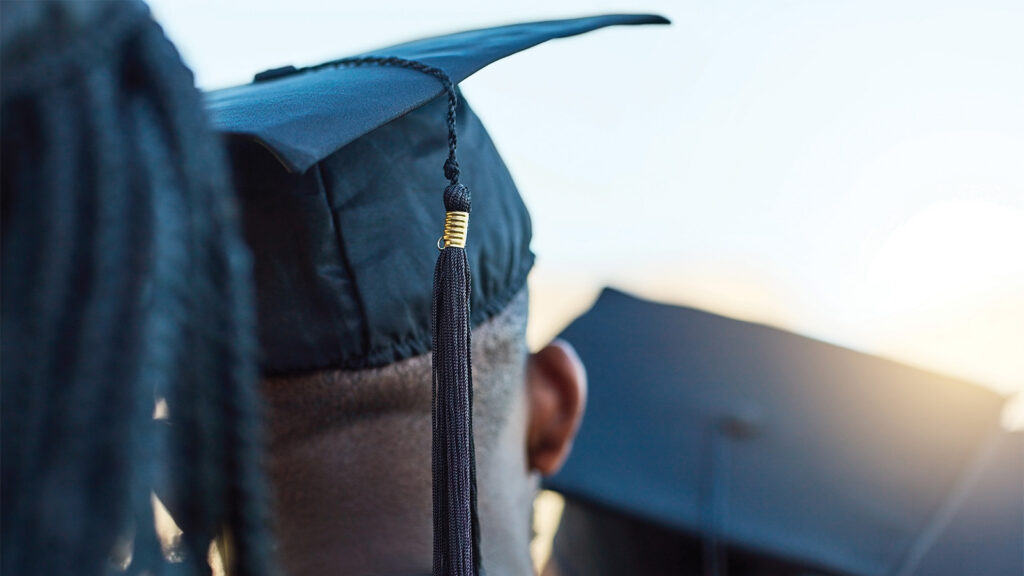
456	527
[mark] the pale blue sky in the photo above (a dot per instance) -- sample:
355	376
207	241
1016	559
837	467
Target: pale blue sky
853	171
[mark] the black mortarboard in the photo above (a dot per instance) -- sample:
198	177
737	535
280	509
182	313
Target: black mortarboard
981	529
767	441
339	169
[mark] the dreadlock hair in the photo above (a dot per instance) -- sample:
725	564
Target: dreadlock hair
124	281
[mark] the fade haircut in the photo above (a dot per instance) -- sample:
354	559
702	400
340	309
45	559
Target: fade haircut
311	404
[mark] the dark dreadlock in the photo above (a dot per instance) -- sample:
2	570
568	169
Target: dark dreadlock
124	280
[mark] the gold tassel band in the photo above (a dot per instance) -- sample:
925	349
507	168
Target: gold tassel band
456	226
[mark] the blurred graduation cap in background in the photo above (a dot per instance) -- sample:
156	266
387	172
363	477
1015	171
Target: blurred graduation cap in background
716	446
340	169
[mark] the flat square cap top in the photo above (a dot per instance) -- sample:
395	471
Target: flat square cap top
304	116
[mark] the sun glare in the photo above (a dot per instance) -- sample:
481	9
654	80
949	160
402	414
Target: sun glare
945	290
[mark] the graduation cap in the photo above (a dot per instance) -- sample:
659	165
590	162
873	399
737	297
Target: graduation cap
764	441
980	527
339	168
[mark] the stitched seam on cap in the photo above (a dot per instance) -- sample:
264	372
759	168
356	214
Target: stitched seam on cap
364	326
419	343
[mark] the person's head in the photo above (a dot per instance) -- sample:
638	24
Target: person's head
340	168
350	453
351	436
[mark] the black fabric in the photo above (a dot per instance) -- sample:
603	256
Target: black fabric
593	540
984	530
345	252
306	117
772	441
340	170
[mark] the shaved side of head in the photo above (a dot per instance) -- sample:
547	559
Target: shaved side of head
350	457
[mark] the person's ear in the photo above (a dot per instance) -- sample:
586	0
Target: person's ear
557	391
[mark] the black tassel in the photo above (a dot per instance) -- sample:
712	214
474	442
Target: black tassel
455	519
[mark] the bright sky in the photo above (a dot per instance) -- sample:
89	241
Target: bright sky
851	171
